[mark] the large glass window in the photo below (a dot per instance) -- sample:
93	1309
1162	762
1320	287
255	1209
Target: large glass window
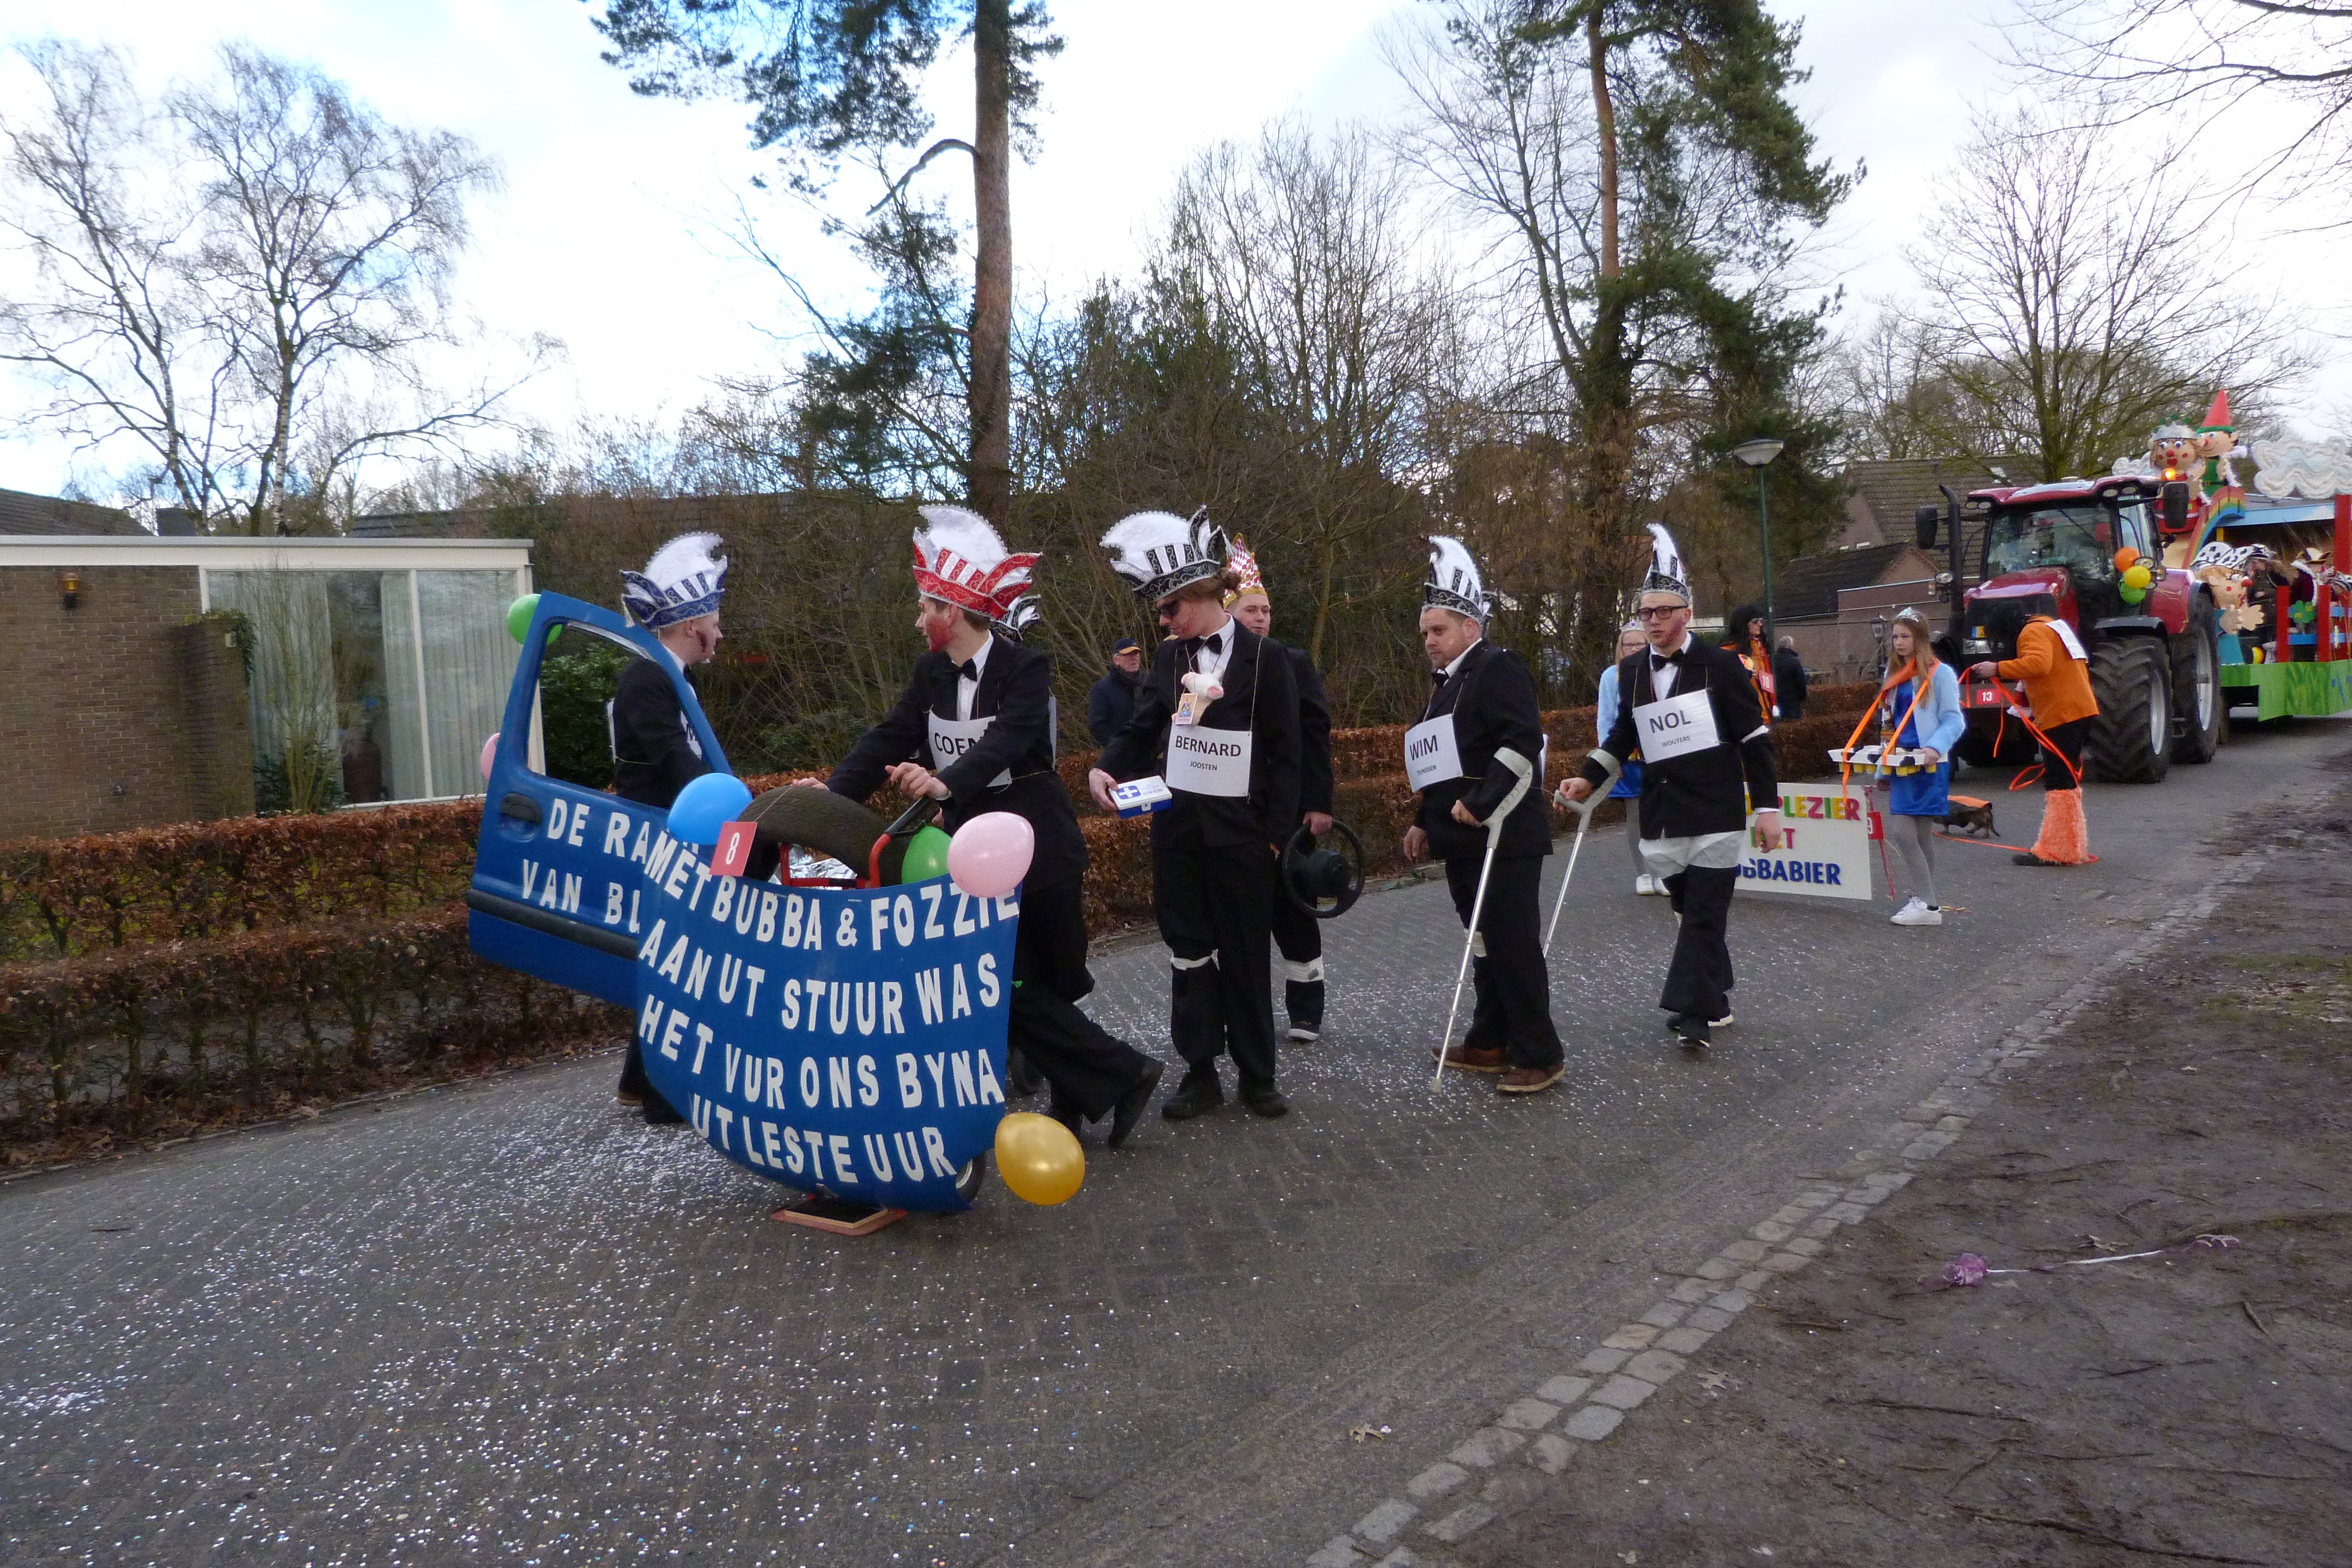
372	686
2081	537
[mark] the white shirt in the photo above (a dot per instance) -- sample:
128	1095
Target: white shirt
1207	663
1454	669
968	686
1662	679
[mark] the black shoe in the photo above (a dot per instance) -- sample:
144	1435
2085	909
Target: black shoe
1689	1028
659	1112
1026	1078
1134	1102
1198	1093
1075	1121
2028	857
1264	1100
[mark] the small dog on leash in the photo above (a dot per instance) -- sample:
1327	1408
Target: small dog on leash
1970	815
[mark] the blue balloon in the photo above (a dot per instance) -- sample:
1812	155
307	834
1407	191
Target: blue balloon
705	805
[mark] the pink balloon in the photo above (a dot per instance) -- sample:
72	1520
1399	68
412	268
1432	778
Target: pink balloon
990	855
489	755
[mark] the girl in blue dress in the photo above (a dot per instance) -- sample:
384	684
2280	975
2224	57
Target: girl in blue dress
1916	802
1631	639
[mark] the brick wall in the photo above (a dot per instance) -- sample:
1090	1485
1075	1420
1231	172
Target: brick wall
116	713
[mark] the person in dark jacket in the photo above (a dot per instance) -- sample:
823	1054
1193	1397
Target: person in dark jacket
1218	716
1789	681
1297	936
1475	758
973	730
1110	702
1744	633
1692	712
655	753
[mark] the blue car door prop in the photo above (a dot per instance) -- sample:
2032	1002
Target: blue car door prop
850	1042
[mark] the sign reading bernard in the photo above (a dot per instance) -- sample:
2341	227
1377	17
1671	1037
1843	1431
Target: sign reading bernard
850	1042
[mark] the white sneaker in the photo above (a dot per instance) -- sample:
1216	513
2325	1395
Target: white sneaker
1723	1023
1917	913
1647	884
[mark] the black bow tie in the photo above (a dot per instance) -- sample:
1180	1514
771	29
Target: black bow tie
969	670
1214	642
1439	677
1660	660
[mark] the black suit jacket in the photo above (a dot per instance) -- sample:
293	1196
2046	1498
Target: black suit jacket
653	756
1313	734
1703	791
1492	700
1260	697
1016	690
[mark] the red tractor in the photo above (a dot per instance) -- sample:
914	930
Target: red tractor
2155	652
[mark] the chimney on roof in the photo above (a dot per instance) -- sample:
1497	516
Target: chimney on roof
175	522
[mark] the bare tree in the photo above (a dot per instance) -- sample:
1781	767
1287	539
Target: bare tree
2071	303
247	279
2159	59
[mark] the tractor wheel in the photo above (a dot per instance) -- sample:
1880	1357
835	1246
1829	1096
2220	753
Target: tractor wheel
817	820
2197	688
1975	746
2131	739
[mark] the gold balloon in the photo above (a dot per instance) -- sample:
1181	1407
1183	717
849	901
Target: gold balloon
1039	1158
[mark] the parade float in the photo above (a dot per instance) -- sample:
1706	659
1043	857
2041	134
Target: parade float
2189	594
823	993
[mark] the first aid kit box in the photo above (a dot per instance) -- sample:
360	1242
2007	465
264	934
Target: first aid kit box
1140	797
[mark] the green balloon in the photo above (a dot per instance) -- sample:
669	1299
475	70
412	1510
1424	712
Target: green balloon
2132	595
519	615
926	856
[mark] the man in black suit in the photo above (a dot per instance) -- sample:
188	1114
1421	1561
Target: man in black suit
1297	936
1475	757
1219	716
1693	712
973	730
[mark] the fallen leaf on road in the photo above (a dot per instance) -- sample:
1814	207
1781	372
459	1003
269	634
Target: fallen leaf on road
1368	1434
1716	1383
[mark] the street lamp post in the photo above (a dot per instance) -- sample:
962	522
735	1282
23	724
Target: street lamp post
1756	453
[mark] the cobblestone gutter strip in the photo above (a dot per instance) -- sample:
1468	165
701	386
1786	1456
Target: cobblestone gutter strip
1506	1463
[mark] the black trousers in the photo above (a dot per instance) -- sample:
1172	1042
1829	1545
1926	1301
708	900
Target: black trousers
1699	979
1514	987
1214	909
1088	1067
1299	938
635	1081
2067	737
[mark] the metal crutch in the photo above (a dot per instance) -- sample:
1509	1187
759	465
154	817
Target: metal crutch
1583	809
1526	771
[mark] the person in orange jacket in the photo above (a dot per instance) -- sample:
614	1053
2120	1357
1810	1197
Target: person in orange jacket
2056	673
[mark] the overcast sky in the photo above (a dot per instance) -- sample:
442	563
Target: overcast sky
611	232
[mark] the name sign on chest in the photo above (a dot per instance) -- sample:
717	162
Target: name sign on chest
1675	726
951	737
848	1042
1202	760
1431	753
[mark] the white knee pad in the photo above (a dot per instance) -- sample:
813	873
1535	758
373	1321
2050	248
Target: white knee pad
1301	973
1479	943
1191	962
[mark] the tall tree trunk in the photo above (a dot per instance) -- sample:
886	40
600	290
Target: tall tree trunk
1605	400
990	397
1605	119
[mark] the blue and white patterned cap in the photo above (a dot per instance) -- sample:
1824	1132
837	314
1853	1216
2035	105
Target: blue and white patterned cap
683	580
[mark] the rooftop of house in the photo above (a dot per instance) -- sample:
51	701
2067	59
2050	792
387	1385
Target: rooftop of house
24	513
1809	586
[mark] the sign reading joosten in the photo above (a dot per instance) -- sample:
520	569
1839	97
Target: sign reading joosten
1826	852
849	1042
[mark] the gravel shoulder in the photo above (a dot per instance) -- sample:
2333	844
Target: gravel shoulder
2186	1408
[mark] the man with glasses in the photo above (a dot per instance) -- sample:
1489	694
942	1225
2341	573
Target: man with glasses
1218	716
1693	713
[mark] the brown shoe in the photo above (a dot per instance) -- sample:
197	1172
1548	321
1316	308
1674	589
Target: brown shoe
1474	1058
1530	1080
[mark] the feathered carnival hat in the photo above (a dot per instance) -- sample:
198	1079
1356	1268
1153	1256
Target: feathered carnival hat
1665	574
1014	623
1245	564
683	580
958	559
1159	553
1453	581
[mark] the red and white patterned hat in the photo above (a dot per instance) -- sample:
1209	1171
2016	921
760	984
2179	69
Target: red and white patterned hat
959	559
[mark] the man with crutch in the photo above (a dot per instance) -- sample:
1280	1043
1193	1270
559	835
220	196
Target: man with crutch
1473	758
1695	715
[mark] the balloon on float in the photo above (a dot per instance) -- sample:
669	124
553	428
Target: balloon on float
489	757
926	857
1039	1158
2124	558
2137	575
2131	595
705	805
519	615
990	855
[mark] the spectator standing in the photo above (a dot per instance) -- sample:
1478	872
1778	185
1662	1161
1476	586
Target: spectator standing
1111	701
1628	787
1919	710
1789	681
1297	936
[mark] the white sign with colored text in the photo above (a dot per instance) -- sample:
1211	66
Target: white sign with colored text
1825	850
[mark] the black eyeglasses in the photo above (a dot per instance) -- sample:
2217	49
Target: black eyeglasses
1661	612
1165	612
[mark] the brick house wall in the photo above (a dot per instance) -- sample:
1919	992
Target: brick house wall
116	713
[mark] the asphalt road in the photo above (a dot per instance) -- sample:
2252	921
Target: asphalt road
507	1323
